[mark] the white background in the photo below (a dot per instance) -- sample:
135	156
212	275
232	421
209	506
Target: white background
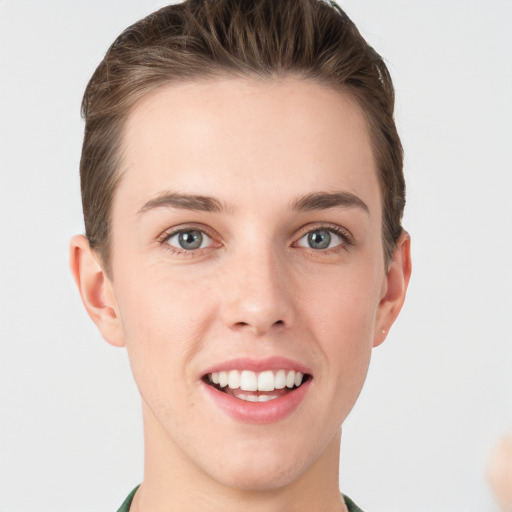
439	390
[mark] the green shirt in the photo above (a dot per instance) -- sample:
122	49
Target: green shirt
125	507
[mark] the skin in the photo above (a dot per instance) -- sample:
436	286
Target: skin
256	289
499	472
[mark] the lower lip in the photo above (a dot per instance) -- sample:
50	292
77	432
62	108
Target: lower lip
258	412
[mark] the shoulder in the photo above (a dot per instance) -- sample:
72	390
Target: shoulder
352	507
125	507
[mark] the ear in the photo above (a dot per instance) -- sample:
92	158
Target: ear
394	289
95	289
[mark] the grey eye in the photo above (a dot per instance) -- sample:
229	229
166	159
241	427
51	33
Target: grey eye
320	239
189	240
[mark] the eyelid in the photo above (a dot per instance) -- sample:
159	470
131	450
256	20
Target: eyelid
175	230
182	228
342	232
338	230
205	239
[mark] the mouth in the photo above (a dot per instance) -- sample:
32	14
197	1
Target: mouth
251	386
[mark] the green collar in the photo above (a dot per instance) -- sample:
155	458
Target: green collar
125	507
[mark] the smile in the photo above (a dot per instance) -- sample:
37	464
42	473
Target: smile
256	386
257	391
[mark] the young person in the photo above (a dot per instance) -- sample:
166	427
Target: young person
243	192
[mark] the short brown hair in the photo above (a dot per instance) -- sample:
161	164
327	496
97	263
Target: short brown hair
311	39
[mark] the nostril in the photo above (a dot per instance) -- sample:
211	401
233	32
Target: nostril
258	329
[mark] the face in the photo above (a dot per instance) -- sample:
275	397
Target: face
248	279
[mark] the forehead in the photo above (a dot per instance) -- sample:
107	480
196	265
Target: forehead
239	139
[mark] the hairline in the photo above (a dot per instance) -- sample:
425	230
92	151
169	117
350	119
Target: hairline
219	73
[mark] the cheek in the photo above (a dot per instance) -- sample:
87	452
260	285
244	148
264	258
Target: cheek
160	306
342	304
344	332
342	317
163	321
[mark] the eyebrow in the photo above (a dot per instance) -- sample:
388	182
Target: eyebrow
183	201
308	202
326	200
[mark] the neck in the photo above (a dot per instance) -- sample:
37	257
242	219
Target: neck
173	482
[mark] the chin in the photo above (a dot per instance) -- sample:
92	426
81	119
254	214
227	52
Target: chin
262	469
252	478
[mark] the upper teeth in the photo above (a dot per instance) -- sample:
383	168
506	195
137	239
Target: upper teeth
247	380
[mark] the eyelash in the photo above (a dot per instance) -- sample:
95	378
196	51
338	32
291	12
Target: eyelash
167	235
347	240
344	234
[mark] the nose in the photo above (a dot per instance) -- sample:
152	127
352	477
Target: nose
257	293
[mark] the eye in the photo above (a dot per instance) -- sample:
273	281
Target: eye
321	239
189	239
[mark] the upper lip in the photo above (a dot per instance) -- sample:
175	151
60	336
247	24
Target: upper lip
258	365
